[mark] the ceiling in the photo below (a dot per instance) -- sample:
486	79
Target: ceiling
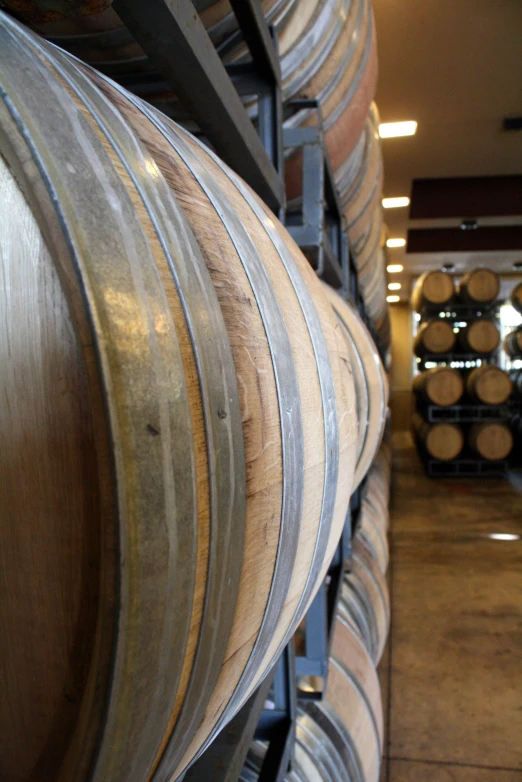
454	66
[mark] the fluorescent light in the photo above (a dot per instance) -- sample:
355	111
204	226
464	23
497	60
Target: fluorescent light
392	299
396	242
395	203
394	286
395	268
503	536
394	129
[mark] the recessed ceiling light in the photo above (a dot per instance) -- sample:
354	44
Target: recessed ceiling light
396	242
395	268
395	203
394	286
503	536
392	299
394	129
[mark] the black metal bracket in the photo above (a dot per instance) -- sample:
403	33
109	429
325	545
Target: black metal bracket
318	224
465	414
278	720
173	37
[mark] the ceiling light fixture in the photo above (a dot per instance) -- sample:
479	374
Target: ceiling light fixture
392	299
395	268
395	129
503	536
395	203
396	242
394	286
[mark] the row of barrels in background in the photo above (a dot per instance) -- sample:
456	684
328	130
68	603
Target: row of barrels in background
445	440
480	336
444	386
187	413
340	738
437	288
328	52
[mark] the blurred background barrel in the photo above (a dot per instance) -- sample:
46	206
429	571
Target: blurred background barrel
442	441
491	440
435	336
513	343
440	385
432	288
516	297
489	385
480	286
480	336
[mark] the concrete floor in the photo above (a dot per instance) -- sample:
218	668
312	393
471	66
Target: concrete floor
452	673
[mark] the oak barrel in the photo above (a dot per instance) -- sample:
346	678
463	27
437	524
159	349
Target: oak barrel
516	297
481	286
491	440
489	385
441	386
365	602
371	383
480	336
185	400
513	343
432	288
435	336
373	523
442	441
516	380
334	60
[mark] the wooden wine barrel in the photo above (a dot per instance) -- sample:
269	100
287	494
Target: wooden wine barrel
365	600
516	380
480	336
324	750
372	388
432	288
516	297
442	441
491	440
489	385
441	385
185	401
336	63
372	533
93	31
513	343
353	703
481	286
435	336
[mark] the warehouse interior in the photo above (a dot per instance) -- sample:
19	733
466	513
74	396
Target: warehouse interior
261	291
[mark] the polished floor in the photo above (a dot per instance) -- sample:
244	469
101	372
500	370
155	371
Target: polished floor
452	673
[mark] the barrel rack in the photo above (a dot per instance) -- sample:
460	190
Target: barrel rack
188	63
466	465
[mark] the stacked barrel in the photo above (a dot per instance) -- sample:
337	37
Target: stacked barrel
460	392
341	736
181	433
